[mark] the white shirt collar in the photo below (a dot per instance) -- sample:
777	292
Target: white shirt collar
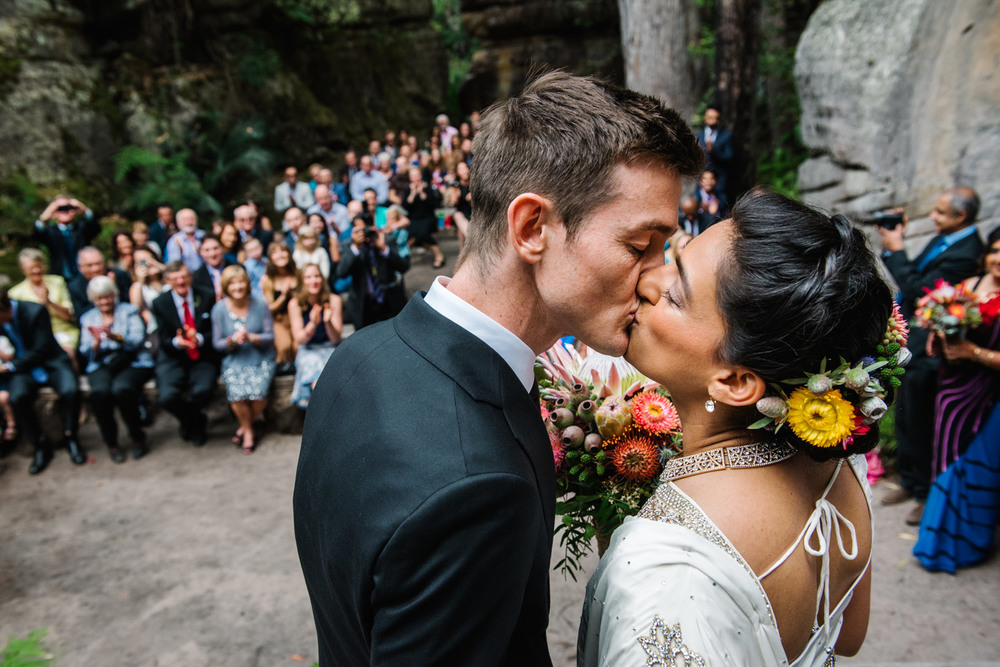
511	349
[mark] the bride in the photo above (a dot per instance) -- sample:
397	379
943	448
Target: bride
755	549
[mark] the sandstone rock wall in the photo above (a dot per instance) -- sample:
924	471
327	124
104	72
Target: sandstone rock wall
899	102
581	36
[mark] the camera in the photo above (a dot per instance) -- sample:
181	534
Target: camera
370	233
887	220
66	208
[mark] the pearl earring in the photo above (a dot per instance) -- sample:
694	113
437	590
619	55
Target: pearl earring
710	404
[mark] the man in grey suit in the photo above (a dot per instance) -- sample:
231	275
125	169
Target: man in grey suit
424	501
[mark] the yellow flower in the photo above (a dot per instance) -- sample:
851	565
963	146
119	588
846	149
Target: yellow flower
822	421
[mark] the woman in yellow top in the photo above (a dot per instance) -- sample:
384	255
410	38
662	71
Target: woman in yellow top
51	292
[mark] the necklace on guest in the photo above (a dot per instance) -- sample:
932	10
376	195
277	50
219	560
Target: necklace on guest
754	455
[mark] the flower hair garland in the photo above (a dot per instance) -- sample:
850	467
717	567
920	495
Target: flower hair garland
831	407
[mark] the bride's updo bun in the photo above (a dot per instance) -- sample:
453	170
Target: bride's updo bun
801	287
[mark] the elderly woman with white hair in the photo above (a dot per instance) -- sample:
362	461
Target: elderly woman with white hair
118	365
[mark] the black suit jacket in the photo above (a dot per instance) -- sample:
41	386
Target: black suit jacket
720	158
168	321
62	260
954	265
424	501
34	326
202	279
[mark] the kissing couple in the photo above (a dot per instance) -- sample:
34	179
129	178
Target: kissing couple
425	491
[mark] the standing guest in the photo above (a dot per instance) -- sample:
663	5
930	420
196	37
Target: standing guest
461	199
255	265
39	360
400	180
141	237
472	521
294	217
374	148
446	131
186	364
334	213
967	391
6	409
421	201
90	263
349	169
185	243
474	121
467	151
718	145
292	192
118	365
316	221
260	220
317	321
74	228
338	189
209	276
434	170
148	285
51	292
243	333
314	170
952	255
163	227
308	251
122	250
384	167
710	200
229	238
464	131
372	210
366	178
389	144
245	219
374	266
279	283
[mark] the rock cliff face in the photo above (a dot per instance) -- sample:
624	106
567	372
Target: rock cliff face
79	79
899	102
581	36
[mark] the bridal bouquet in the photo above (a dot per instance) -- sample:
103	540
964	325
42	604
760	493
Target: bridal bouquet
948	308
611	430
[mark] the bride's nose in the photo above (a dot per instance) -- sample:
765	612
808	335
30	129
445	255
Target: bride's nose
652	282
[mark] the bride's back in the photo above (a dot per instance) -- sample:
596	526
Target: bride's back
763	512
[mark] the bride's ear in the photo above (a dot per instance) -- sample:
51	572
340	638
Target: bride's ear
529	218
738	387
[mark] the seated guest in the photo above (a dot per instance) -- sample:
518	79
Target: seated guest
338	189
260	220
371	208
314	170
308	251
292	192
348	170
186	363
294	219
90	264
122	249
229	238
460	198
334	213
317	320
384	165
118	365
49	291
38	360
710	200
140	236
445	130
692	220
243	333
374	265
148	285
318	224
162	228
255	265
366	178
279	283
245	219
185	243
74	228
209	276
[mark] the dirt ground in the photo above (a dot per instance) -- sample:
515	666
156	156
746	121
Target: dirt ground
187	558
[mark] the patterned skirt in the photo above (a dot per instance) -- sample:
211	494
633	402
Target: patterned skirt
248	382
309	364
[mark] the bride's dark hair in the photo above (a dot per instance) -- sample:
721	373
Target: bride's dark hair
800	287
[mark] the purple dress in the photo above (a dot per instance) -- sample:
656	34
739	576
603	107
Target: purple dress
967	392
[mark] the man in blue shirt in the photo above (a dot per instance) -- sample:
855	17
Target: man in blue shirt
366	178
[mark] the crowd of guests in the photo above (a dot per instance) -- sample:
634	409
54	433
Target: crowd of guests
243	299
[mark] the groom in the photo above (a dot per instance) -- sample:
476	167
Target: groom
424	500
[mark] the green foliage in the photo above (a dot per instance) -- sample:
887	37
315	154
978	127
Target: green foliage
321	12
146	178
28	652
256	63
20	204
459	46
778	167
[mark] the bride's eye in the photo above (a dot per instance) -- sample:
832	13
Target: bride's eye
669	296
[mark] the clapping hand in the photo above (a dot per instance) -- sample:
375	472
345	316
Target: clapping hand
327	313
187	338
316	314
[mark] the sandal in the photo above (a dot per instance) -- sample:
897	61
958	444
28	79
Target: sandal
238	437
10	433
248	449
438	265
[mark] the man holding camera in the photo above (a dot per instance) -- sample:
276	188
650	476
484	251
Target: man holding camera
68	235
952	255
374	264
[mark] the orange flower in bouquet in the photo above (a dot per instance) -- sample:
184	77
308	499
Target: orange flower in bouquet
950	309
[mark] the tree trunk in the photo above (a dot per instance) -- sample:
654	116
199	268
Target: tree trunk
736	52
656	36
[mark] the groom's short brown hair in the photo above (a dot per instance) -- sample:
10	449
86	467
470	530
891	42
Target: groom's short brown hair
561	138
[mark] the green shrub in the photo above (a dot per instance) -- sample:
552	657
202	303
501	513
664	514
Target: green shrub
28	652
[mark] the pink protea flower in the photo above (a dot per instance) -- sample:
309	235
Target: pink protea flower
654	413
558	451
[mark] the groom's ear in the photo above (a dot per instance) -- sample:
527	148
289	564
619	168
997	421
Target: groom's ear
738	387
529	219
